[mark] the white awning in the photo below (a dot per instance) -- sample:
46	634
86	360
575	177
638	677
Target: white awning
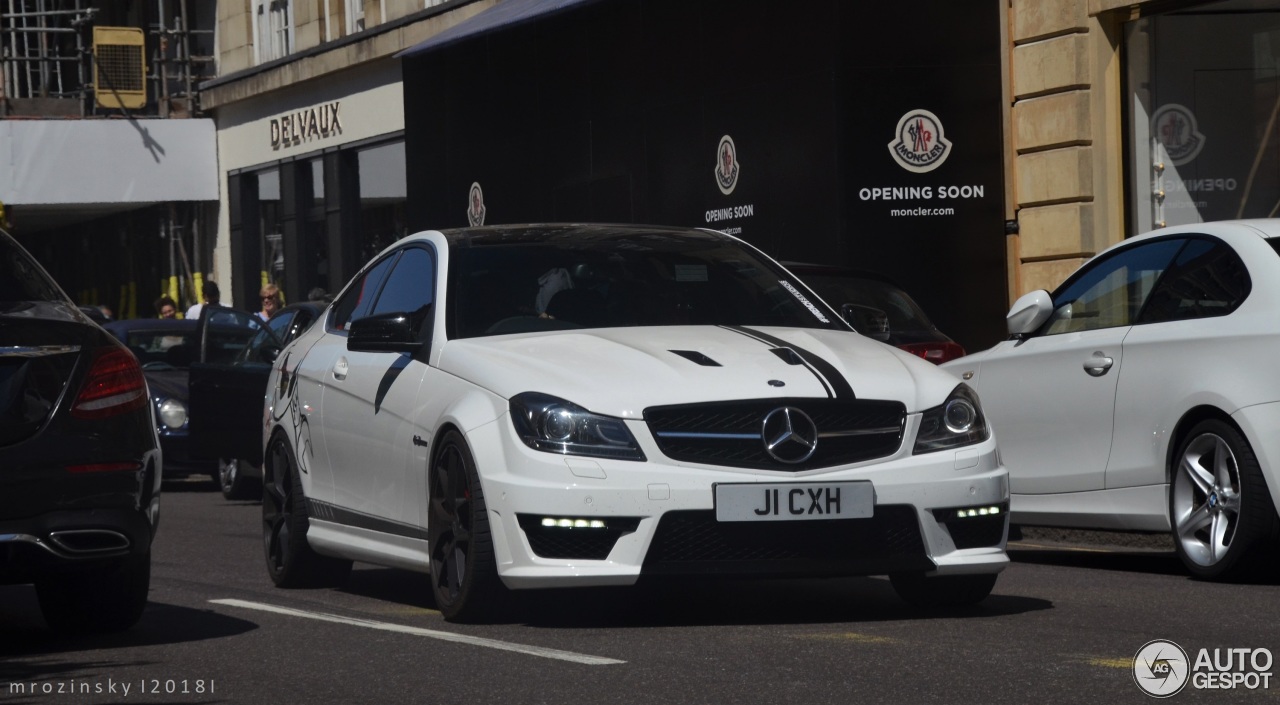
507	13
107	162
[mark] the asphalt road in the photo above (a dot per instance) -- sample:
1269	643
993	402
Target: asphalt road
1063	626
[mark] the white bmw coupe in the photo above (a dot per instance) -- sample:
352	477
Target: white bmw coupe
1142	394
571	405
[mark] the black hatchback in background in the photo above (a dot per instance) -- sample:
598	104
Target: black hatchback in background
878	308
80	464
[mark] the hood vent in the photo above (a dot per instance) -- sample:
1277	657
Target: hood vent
787	355
695	356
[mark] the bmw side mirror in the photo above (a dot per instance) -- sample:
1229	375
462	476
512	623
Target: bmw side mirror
1029	312
869	321
387	332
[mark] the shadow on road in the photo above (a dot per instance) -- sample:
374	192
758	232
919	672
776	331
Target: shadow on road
1155	562
23	632
1151	562
673	602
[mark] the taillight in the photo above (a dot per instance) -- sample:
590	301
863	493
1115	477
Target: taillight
114	386
937	353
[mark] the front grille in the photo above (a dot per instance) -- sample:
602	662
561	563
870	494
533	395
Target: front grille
694	543
571	543
732	433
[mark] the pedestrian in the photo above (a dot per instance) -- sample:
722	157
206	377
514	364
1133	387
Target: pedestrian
166	308
212	297
270	296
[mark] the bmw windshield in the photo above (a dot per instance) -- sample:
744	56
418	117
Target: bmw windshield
513	280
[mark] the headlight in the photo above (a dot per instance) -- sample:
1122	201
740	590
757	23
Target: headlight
554	425
958	422
173	413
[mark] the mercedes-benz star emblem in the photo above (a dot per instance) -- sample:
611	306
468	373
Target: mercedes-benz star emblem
789	435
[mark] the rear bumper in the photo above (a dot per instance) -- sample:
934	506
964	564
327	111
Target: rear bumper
70	541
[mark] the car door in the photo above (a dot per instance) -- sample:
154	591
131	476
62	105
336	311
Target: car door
319	367
369	399
1182	326
1051	396
228	382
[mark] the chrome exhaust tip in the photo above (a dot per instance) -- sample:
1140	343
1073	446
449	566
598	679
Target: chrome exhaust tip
89	542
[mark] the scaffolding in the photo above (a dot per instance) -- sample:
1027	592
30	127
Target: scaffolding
49	61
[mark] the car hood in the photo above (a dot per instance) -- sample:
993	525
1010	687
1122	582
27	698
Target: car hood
622	371
168	384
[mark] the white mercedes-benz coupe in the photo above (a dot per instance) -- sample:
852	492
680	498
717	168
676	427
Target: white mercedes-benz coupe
1143	395
575	405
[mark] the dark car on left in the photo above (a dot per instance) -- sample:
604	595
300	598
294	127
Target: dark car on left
165	348
80	462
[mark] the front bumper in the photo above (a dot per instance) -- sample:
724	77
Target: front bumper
659	516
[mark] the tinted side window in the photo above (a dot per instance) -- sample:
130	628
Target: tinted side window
1208	280
280	324
1111	292
411	284
357	299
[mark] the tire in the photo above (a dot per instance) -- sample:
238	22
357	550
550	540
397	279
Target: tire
1221	512
943	591
235	485
291	562
107	600
464	575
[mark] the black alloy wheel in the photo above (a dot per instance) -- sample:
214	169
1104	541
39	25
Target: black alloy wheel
291	562
464	577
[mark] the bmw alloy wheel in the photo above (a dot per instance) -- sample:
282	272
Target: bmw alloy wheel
1219	504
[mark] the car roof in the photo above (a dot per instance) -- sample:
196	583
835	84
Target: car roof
578	232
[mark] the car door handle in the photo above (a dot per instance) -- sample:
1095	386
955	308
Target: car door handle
1098	365
340	369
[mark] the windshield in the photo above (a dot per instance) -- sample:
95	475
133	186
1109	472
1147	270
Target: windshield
161	348
902	311
610	279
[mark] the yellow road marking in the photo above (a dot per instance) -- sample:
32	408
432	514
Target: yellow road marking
850	637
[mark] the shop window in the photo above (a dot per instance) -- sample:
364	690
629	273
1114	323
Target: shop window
382	197
273	264
1203	90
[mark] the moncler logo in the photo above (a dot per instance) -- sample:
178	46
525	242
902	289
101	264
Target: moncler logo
918	144
1174	126
727	165
475	206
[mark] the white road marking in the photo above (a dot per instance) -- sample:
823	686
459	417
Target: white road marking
429	633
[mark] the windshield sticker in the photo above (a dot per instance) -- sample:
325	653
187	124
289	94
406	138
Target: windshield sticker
807	304
691	272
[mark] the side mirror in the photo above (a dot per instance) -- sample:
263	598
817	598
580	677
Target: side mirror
387	332
1029	312
869	321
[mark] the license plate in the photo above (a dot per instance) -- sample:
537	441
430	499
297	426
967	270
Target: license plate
794	501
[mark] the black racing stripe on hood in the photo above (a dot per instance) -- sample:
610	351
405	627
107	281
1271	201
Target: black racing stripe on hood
825	371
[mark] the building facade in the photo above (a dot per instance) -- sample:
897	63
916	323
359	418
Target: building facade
1056	128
